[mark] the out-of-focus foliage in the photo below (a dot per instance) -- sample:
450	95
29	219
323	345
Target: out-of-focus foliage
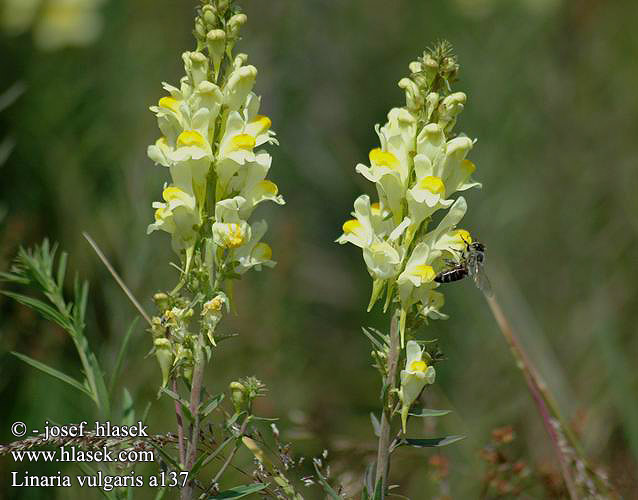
552	100
55	23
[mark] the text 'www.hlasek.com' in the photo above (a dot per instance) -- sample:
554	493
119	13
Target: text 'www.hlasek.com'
114	448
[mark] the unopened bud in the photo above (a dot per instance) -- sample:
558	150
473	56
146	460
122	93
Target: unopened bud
431	103
240	60
238	392
161	301
209	14
415	67
216	41
413	97
200	29
222	6
235	23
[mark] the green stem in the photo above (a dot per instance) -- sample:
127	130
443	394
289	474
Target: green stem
196	390
383	452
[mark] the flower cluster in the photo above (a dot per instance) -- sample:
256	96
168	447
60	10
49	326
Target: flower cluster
211	130
410	234
212	134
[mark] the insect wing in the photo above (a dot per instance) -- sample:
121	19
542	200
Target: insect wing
475	266
480	278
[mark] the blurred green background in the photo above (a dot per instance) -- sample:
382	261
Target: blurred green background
552	100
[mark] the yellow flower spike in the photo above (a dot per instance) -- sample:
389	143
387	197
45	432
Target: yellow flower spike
262	251
425	272
191	138
242	142
433	184
383	159
169	103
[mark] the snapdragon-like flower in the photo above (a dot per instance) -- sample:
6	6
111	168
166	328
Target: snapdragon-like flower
410	234
212	148
212	133
416	375
420	164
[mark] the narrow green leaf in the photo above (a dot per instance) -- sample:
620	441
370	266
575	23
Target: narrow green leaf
53	373
426	412
378	491
14	278
160	494
368	479
206	459
44	309
61	270
241	491
376	337
262	419
166	456
128	409
184	404
428	443
121	353
211	404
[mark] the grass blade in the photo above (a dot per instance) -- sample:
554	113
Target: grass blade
117	278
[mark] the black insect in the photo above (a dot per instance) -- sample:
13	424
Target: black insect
470	263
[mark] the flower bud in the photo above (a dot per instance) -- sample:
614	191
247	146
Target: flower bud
430	67
450	108
209	14
235	23
238	392
240	60
164	355
415	67
431	103
216	41
161	301
413	97
200	29
222	7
